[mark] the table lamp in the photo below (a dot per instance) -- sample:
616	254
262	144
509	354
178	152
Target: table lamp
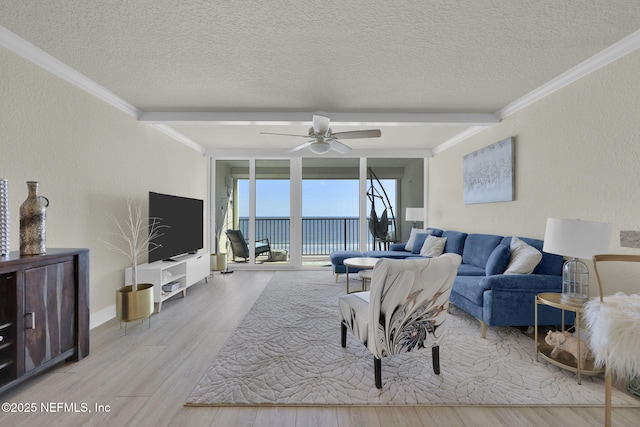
414	215
575	239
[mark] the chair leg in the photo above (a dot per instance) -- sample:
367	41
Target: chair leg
483	329
343	335
377	368
435	356
607	398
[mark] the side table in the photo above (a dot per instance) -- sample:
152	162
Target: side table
544	350
362	263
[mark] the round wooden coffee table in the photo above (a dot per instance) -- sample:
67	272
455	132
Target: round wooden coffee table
363	263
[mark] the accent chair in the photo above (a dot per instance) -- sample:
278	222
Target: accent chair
405	309
240	248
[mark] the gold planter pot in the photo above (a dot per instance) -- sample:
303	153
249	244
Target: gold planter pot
218	262
136	305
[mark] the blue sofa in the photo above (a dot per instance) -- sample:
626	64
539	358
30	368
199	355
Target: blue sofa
481	289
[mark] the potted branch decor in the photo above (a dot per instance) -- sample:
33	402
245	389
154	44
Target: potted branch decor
134	237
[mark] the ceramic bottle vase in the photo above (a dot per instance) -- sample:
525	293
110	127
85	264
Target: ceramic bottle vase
33	222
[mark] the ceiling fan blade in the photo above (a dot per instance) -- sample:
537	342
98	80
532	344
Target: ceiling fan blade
339	146
372	133
283	134
320	124
301	146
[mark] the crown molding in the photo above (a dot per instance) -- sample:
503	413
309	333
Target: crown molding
47	62
305	118
605	57
458	138
478	122
180	137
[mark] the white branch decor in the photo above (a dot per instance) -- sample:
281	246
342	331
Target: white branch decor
134	237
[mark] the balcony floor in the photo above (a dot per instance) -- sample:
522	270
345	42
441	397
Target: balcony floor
320	261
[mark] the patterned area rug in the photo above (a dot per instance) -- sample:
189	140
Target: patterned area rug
287	352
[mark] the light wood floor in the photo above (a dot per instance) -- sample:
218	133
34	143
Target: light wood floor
145	376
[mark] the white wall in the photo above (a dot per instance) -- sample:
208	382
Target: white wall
89	158
577	156
411	196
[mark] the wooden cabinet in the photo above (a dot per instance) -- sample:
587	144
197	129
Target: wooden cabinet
44	312
8	335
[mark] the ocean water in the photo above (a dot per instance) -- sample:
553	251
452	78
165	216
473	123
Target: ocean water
320	236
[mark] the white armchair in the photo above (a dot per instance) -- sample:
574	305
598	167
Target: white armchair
404	310
613	322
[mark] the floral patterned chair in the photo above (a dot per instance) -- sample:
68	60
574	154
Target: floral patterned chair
405	309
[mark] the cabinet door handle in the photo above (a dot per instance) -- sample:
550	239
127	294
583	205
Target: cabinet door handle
33	320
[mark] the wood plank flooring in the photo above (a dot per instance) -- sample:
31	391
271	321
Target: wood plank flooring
143	378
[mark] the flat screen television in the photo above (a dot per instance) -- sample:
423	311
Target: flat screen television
185	220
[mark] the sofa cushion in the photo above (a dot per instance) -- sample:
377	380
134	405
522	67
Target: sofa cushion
455	241
337	257
433	246
550	263
470	287
478	248
498	260
470	270
389	254
435	231
524	258
397	246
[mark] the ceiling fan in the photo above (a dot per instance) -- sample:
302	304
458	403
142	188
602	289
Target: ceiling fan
324	139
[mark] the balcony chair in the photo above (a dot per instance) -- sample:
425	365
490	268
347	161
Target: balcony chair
405	309
613	322
240	248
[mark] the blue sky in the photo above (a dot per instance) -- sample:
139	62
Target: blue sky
324	198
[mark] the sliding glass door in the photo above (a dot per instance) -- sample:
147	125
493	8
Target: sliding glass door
253	215
303	209
330	208
273	209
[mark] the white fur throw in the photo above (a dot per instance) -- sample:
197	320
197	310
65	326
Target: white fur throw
615	333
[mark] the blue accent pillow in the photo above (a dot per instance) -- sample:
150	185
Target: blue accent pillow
418	242
498	260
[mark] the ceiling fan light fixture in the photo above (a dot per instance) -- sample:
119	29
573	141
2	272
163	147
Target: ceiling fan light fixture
321	138
320	147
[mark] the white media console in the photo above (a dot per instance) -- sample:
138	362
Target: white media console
185	271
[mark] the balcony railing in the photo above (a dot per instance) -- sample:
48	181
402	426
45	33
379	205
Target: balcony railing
320	236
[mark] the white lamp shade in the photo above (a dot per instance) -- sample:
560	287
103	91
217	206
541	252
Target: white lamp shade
576	238
414	214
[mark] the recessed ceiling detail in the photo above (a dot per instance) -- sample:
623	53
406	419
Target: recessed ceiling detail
204	70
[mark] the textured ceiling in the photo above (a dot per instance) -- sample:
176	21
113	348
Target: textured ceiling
474	56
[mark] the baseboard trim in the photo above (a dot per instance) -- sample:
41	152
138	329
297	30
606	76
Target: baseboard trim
98	318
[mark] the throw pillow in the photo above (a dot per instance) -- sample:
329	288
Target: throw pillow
412	238
524	258
498	260
433	246
418	242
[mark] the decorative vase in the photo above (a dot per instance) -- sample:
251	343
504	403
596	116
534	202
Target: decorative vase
134	305
4	217
33	222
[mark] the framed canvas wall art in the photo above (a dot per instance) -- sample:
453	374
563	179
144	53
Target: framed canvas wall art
488	173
